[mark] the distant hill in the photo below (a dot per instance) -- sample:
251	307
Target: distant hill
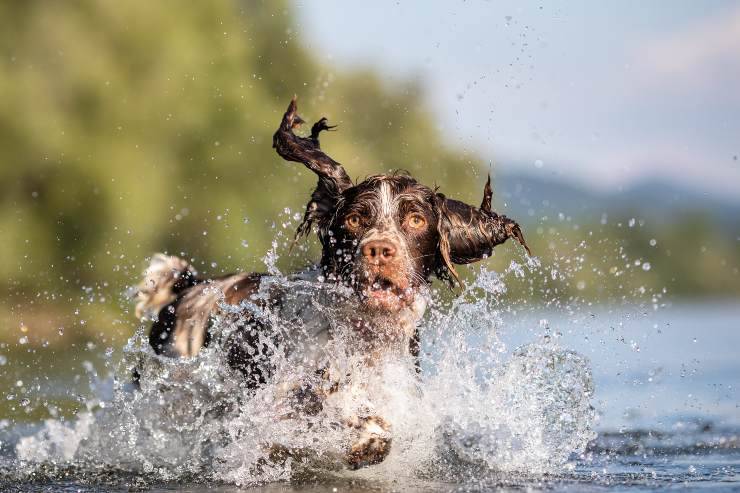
528	196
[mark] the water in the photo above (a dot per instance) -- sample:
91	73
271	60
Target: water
635	397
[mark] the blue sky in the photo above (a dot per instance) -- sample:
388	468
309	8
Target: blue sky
604	93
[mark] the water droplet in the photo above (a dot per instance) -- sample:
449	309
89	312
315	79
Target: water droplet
653	242
646	266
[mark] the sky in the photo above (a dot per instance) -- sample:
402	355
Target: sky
604	94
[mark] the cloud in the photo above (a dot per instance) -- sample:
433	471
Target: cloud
702	170
702	57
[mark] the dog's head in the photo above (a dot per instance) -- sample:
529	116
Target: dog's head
387	235
383	239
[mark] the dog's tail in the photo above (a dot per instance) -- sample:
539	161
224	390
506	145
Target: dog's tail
164	279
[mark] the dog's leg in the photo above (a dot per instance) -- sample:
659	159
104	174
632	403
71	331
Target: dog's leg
370	435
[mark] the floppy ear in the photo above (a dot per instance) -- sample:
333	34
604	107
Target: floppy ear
333	180
468	233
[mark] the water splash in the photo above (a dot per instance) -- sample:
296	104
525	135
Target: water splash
476	403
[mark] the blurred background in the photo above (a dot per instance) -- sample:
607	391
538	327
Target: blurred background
611	131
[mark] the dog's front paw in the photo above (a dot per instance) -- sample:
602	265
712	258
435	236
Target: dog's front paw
373	443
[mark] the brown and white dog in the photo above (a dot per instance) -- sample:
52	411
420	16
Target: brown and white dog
382	239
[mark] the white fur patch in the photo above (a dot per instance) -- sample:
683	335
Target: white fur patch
386	201
155	290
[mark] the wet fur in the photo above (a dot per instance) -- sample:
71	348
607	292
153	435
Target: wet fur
183	305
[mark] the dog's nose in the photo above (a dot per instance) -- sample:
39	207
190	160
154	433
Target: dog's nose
378	251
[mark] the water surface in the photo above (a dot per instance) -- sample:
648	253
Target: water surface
497	388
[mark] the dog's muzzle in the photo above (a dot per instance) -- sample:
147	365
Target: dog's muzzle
384	280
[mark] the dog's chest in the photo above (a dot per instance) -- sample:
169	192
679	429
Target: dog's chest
316	321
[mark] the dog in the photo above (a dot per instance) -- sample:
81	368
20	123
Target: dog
382	240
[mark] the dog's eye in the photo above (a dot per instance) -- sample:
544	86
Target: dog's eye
416	221
353	221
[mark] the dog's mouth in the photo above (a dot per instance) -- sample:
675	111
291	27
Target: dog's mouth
382	292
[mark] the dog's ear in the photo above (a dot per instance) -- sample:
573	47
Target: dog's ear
468	234
333	180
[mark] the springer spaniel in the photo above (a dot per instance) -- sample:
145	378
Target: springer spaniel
382	240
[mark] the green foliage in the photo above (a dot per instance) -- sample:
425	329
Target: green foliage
133	127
